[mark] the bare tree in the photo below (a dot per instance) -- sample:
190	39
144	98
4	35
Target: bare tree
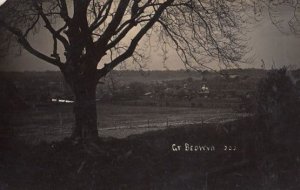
97	36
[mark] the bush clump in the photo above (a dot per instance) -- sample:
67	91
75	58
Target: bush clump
277	103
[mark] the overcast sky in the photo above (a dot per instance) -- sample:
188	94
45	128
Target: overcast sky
275	47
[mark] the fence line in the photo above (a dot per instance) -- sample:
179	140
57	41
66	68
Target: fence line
63	127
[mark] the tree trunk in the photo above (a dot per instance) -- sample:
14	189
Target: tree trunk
85	111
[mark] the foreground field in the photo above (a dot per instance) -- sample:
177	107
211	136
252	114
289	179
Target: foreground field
148	161
54	123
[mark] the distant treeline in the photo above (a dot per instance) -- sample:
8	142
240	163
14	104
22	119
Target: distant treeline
143	76
128	76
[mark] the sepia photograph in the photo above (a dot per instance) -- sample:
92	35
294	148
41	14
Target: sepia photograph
149	94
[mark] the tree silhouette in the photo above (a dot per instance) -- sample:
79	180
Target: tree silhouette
96	36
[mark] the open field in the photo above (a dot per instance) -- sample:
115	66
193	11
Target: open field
55	123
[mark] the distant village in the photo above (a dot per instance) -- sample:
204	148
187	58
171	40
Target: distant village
206	89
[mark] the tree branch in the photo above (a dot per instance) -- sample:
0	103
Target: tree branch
110	30
48	25
26	45
108	67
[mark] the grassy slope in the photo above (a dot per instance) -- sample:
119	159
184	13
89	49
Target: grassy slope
147	162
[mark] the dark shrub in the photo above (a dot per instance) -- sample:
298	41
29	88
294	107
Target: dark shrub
277	104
